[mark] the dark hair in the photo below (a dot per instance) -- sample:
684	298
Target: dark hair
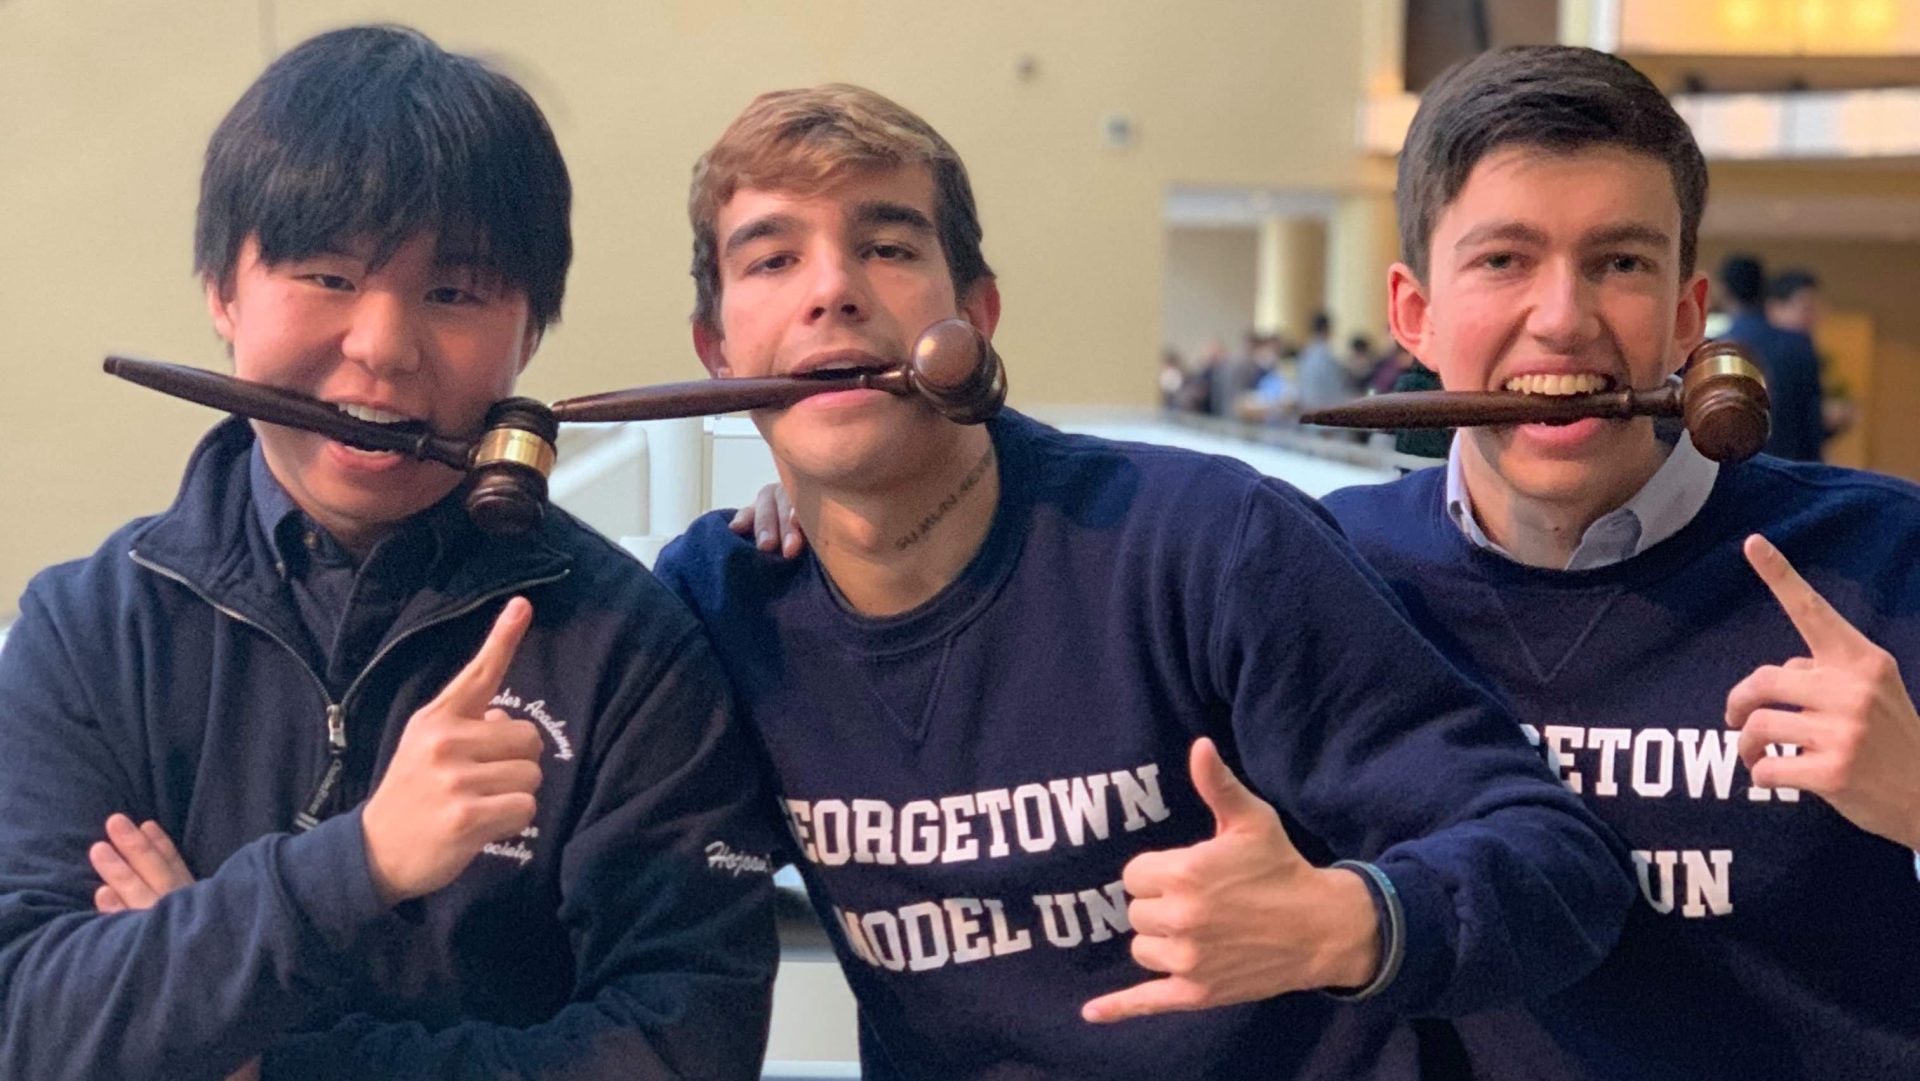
376	131
1788	282
803	141
1743	279
1554	97
1360	343
1322	324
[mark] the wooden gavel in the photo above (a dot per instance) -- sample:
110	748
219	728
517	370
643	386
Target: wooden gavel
952	366
1721	400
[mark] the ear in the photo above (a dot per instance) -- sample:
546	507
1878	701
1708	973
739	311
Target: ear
1690	316
711	347
1408	311
981	306
220	308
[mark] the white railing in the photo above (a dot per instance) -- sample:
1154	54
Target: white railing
643	483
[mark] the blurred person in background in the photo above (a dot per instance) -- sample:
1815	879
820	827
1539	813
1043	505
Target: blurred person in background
1794	309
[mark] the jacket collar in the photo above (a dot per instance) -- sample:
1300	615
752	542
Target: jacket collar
211	539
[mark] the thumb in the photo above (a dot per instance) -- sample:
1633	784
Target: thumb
1231	802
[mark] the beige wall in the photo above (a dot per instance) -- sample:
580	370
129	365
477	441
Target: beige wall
1211	286
107	105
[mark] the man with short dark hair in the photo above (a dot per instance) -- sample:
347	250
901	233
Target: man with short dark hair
1735	722
327	843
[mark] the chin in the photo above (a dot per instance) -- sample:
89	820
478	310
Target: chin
385	507
839	467
849	452
1557	482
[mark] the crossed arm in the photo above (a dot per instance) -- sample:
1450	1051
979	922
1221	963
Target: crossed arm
145	972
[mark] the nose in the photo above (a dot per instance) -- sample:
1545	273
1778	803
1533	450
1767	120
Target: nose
1560	312
838	289
383	336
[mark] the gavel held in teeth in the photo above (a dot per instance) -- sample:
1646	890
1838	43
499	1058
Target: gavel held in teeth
1721	400
952	366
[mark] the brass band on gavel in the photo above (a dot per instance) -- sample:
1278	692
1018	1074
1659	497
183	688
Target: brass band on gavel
1721	399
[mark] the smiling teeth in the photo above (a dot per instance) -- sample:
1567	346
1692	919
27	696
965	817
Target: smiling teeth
377	416
1584	383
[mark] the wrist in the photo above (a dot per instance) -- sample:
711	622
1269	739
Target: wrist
1353	942
385	888
1389	932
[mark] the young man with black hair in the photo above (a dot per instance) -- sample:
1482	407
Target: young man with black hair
546	861
1011	690
1743	727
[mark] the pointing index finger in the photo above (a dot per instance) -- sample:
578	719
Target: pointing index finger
1826	631
475	685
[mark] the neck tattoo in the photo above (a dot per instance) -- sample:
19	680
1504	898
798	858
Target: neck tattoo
933	517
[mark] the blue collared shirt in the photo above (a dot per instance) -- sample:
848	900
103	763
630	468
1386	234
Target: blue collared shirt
1661	508
346	604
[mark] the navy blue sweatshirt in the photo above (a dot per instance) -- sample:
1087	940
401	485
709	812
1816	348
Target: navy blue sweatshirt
966	781
625	934
1773	938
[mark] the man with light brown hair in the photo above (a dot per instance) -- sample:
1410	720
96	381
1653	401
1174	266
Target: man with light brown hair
1012	688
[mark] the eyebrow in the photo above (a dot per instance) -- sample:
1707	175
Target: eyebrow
886	213
877	212
1628	233
464	261
748	232
1500	230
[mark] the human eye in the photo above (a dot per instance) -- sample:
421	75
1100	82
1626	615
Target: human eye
771	264
335	283
892	251
1499	262
326	271
463	285
1621	264
455	294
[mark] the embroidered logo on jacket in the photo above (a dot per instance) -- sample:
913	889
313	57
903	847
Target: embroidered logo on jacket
722	857
520	849
536	711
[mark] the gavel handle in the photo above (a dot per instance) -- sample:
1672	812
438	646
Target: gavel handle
1468	409
275	405
704	397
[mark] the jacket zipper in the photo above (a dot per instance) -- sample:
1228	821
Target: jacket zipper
336	715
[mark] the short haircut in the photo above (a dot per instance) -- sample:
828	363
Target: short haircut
1744	280
805	141
375	131
1789	282
1556	98
1322	324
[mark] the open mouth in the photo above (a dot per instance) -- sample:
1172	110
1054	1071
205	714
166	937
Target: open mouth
405	429
834	372
1559	385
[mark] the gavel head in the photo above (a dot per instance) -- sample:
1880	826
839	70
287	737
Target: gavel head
1724	402
955	368
508	493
